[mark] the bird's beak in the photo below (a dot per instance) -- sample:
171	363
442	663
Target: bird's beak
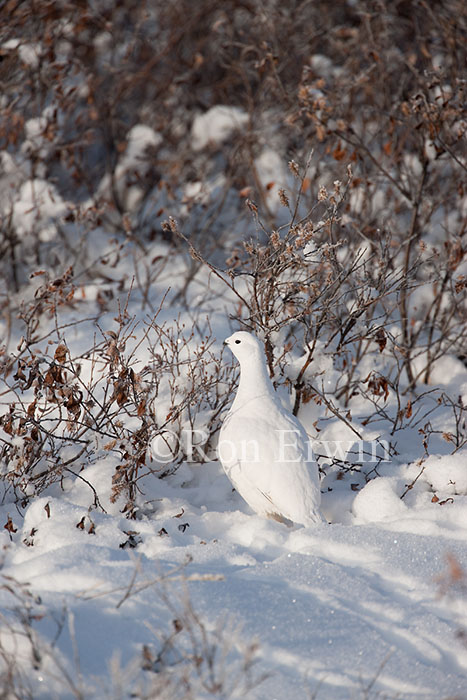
226	342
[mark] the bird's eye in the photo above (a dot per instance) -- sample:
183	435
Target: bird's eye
238	341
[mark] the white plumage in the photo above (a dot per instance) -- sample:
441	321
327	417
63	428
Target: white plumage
263	447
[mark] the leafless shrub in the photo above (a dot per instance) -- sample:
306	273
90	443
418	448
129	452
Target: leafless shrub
112	397
187	656
193	658
357	253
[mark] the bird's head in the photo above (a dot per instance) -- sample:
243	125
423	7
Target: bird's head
244	345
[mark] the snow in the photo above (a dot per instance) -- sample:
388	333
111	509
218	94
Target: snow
447	476
370	604
140	137
379	501
356	607
29	53
272	174
37	206
216	125
134	160
334	607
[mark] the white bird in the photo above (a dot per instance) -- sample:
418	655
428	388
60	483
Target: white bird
264	448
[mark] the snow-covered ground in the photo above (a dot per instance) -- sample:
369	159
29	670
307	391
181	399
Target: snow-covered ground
196	596
355	610
372	604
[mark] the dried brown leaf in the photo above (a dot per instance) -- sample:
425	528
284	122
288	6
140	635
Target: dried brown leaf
9	526
60	353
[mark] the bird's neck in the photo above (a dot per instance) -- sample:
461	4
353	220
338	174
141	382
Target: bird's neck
254	383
